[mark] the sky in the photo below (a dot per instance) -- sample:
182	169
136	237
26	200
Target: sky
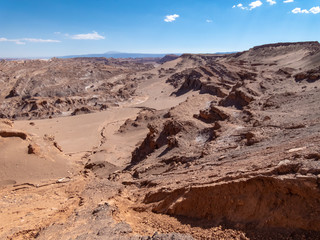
47	28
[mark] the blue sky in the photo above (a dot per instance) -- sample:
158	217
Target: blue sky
38	28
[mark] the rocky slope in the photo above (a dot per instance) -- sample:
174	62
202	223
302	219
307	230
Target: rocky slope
60	87
245	152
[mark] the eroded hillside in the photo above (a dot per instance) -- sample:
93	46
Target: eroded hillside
32	89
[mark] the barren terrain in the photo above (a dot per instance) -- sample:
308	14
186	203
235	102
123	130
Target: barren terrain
201	146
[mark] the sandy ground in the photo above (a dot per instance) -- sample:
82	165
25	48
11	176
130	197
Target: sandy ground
78	133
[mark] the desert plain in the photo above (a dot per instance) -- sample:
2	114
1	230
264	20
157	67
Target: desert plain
197	146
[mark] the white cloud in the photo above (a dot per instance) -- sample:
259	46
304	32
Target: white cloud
298	10
171	18
22	41
87	36
252	5
288	1
271	2
40	40
240	5
255	4
16	41
209	21
19	42
314	10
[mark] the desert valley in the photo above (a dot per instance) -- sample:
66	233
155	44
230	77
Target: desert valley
197	146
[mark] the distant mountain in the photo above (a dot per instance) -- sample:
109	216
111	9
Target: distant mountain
224	52
12	59
113	54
